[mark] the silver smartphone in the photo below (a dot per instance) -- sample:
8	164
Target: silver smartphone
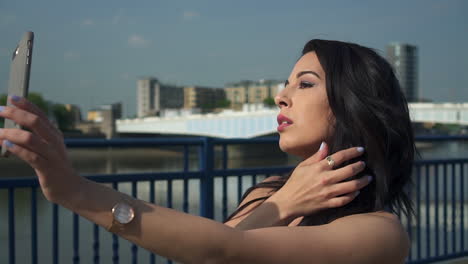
19	75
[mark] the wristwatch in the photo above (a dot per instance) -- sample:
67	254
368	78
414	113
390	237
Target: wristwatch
122	214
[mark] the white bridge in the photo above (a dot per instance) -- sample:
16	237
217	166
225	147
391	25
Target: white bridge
249	124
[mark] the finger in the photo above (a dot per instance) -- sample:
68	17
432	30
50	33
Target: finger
35	160
342	156
26	140
341	174
318	156
25	104
349	186
30	121
342	200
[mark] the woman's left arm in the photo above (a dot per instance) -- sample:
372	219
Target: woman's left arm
179	236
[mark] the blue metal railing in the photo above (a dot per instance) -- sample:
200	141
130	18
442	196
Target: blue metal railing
437	231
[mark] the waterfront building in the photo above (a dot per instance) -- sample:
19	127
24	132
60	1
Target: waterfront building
251	92
96	114
154	96
75	114
404	59
206	98
101	120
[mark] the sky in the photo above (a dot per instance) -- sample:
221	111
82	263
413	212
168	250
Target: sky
90	53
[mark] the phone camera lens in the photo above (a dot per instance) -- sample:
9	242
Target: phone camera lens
15	53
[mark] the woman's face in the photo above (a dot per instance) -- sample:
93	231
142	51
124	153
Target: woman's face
304	102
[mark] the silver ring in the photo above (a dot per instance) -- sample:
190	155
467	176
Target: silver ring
330	161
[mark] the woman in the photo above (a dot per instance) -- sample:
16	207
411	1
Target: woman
339	96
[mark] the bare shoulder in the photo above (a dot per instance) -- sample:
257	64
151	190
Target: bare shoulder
383	232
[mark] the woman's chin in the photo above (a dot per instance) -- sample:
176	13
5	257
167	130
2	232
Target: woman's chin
290	149
302	151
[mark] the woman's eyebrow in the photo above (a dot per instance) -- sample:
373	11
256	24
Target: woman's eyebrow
299	74
305	72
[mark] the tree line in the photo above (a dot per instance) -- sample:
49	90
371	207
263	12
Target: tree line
56	112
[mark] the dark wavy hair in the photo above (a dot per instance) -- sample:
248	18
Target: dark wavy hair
370	110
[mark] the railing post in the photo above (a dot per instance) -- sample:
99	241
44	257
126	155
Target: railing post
207	182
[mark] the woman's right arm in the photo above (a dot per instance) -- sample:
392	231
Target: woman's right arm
279	208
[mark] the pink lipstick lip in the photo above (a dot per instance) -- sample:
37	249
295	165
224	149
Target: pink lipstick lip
281	118
281	125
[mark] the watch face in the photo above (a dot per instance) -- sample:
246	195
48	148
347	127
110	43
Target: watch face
123	213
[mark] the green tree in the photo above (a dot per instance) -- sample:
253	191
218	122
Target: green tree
63	116
37	99
224	103
3	99
269	102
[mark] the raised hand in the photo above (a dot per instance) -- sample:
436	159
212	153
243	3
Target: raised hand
42	147
315	185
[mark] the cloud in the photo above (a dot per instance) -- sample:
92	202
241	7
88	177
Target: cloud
87	22
138	41
189	15
71	55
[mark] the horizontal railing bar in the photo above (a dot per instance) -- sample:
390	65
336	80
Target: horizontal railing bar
439	161
131	142
275	139
220	141
150	142
107	178
440	137
240	172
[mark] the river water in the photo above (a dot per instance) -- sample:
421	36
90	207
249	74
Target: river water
98	161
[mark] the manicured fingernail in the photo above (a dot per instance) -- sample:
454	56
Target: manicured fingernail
360	149
369	178
1	108
15	98
363	163
8	144
322	146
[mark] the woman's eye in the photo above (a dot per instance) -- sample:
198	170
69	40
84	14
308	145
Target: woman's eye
303	85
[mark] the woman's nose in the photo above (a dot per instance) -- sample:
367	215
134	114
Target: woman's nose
282	101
